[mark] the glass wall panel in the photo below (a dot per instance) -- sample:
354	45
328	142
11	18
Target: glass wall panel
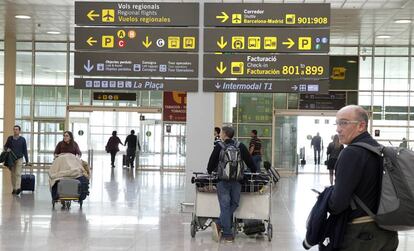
379	64
24	46
156	98
23	97
396	67
23	68
365	84
365	67
255	107
50	101
74	96
50	68
395	84
71	68
48	46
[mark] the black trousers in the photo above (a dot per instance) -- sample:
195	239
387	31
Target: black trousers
317	155
131	156
113	154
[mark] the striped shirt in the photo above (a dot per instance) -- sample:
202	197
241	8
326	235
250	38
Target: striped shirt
256	144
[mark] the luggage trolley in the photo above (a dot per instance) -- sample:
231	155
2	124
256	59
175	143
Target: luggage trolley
206	206
255	202
68	190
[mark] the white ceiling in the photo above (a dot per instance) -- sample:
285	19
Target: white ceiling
353	21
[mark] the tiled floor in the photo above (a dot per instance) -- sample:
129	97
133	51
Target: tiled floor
130	210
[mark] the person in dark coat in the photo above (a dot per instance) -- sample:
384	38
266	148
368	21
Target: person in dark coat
112	147
333	151
67	145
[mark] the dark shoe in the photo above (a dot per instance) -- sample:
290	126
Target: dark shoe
216	231
14	191
229	239
18	191
112	166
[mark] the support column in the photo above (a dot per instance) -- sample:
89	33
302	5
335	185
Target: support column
218	109
200	123
9	78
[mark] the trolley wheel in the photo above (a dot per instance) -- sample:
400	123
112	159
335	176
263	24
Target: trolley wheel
68	204
269	232
80	203
193	228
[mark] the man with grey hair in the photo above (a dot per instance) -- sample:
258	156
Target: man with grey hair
228	191
358	172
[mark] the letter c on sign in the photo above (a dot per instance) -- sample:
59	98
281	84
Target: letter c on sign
121	43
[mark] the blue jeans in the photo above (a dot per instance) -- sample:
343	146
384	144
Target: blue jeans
257	159
228	193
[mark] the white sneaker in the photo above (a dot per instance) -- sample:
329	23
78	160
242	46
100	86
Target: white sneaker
216	231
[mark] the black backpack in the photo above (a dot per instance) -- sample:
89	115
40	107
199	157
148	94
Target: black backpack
231	165
396	206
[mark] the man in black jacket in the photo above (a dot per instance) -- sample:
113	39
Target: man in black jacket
359	172
228	192
131	142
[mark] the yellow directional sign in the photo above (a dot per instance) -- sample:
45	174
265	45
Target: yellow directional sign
108	41
253	43
91	41
121	34
173	42
147	43
237	42
290	43
91	15
108	15
236	18
221	43
188	42
305	43
237	68
223	17
270	43
221	69
290	19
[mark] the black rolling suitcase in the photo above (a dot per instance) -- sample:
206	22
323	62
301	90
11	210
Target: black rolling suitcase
27	182
124	161
271	171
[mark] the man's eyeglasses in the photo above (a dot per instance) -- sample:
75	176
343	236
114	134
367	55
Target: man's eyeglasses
343	123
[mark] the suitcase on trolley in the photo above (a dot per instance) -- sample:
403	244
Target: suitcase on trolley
68	188
274	174
27	182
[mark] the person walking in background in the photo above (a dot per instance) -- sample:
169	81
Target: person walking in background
333	151
217	131
17	145
404	143
67	145
317	145
112	147
255	149
131	142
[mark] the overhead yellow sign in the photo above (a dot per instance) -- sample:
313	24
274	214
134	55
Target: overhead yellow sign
108	15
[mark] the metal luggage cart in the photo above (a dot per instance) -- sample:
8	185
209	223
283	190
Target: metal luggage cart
255	202
206	206
66	199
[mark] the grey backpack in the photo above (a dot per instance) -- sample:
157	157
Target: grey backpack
231	165
396	206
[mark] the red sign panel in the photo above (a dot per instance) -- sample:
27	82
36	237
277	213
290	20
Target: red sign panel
175	106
